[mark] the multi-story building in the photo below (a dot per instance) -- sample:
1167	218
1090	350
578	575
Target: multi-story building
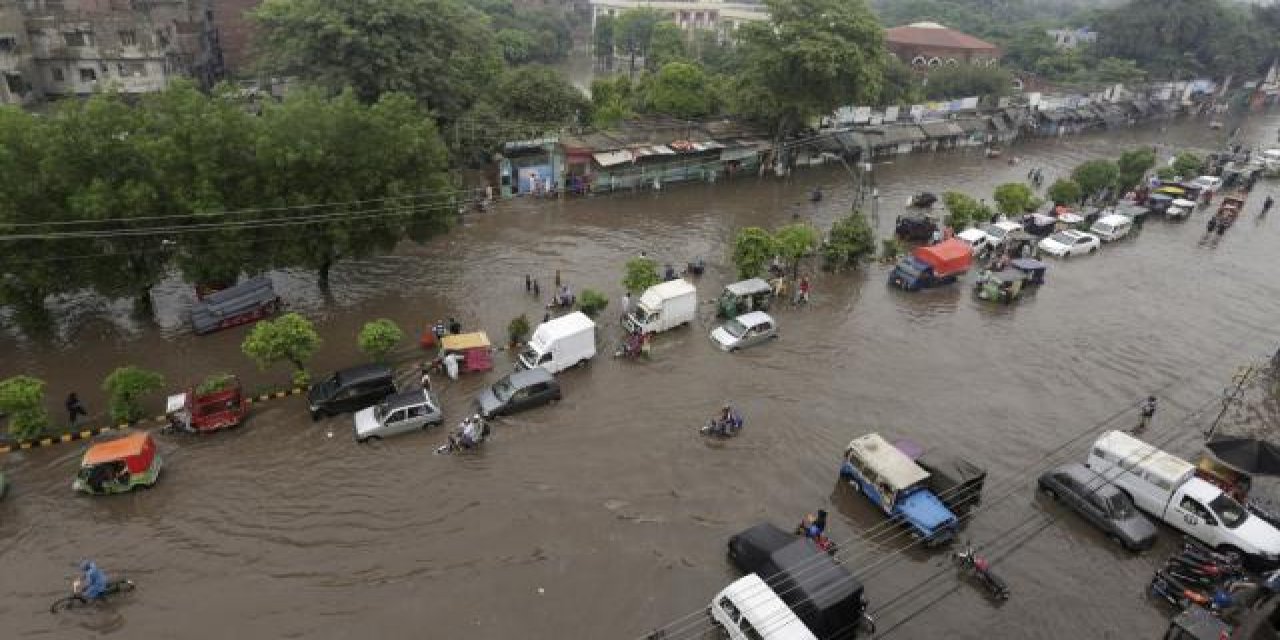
715	15
1072	38
925	45
58	48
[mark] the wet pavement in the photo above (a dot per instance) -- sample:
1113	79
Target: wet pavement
605	516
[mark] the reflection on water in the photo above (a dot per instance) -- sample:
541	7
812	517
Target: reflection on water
606	514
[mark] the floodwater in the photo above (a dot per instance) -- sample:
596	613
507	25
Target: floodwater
605	516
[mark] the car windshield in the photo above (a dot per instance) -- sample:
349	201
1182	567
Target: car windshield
502	389
1228	511
330	385
735	328
1062	238
380	411
912	267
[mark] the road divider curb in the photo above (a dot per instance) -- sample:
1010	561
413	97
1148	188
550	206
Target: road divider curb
85	434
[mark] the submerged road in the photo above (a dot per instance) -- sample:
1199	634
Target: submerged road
605	516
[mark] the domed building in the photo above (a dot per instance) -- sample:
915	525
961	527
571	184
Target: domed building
925	45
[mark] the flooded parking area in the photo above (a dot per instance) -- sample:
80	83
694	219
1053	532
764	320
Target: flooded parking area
606	514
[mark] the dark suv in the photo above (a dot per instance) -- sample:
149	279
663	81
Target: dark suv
350	390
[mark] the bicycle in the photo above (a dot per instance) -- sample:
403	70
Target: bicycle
76	600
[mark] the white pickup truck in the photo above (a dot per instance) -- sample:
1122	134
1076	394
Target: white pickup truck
1166	487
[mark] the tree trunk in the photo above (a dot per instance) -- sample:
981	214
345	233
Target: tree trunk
322	273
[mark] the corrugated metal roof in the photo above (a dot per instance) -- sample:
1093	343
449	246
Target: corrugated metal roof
612	158
941	129
899	134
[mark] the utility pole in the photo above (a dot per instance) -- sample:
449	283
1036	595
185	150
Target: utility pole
1230	396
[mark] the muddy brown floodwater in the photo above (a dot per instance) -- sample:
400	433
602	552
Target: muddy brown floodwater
605	516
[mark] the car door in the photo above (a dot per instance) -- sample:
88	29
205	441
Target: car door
539	394
520	400
1098	511
344	399
1192	517
394	423
418	416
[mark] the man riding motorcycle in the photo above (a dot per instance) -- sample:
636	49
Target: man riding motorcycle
725	424
92	583
469	434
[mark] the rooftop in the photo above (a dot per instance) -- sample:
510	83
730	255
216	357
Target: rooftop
932	34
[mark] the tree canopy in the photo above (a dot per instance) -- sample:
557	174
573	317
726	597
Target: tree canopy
442	52
809	58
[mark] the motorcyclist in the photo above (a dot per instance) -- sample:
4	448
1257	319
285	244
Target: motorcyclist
92	582
1266	204
726	423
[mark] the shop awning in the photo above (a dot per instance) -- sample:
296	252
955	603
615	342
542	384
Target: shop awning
851	140
998	123
1052	116
941	129
971	125
900	134
612	158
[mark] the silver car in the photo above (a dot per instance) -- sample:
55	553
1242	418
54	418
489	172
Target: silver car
744	331
399	413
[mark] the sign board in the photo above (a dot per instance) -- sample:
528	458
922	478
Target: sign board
861	115
1033	98
917	112
967	104
891	114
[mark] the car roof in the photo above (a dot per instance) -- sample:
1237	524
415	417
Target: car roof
407	399
971	232
748	287
891	464
363	372
1088	478
530	377
1114	219
754	318
1008	225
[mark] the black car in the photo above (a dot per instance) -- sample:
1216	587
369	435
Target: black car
1101	503
350	390
518	391
915	227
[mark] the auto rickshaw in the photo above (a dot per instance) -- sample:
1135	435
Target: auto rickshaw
1032	268
1001	286
1159	202
204	410
743	297
119	465
1019	243
473	347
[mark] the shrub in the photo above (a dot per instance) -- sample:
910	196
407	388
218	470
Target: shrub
592	302
379	337
125	387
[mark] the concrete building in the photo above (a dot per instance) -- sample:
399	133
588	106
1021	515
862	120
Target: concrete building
58	48
1072	38
716	15
235	33
925	45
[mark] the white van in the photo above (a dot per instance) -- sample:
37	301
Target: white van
560	343
664	306
1110	228
748	609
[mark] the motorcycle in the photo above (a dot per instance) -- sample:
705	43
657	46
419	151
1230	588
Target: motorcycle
969	560
725	429
1178	595
459	444
633	346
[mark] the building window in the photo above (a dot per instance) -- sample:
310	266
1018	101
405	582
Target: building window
8	44
57	74
129	38
162	39
131	69
78	38
933	62
88	75
918	61
951	62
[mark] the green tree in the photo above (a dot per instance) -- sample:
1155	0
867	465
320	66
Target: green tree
518	329
1187	164
126	387
540	95
1133	164
1014	198
633	31
604	43
809	58
22	397
682	90
517	46
290	338
1095	176
440	51
379	337
666	45
850	241
592	302
795	242
1118	70
1027	47
753	248
967	80
1181	39
1065	191
964	210
640	274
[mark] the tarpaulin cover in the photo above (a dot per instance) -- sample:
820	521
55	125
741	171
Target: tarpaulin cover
947	257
